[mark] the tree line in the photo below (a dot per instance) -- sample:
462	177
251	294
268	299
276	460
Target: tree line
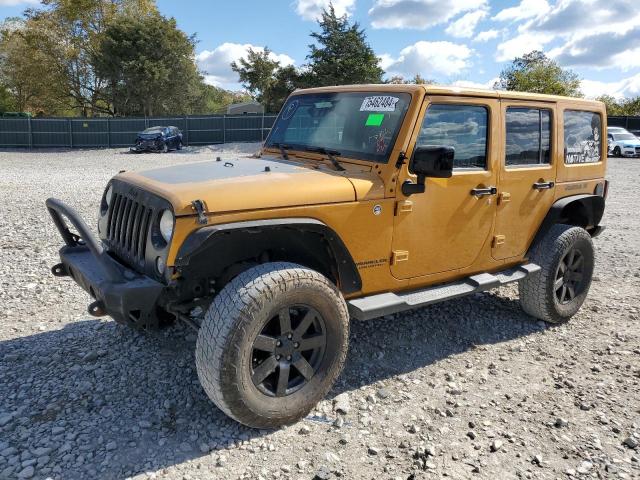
122	57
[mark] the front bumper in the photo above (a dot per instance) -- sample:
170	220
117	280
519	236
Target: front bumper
124	294
147	146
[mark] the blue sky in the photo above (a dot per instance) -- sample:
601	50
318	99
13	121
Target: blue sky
463	42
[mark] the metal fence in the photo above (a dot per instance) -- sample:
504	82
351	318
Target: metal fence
630	123
121	132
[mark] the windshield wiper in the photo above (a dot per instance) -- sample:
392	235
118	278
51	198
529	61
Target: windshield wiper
330	155
283	149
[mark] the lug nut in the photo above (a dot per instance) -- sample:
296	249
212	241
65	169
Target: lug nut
288	357
290	336
278	357
296	345
278	343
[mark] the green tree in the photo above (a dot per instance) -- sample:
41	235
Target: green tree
341	54
6	100
148	65
216	100
625	106
257	72
68	33
417	80
536	73
30	80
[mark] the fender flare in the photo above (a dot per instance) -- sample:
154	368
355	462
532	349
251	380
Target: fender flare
201	239
590	208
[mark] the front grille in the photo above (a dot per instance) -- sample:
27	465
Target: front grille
637	149
128	228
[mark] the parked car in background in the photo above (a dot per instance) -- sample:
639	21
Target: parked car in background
158	139
622	143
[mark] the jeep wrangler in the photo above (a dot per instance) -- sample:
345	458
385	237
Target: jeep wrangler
364	201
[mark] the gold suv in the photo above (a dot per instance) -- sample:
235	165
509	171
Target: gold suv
366	200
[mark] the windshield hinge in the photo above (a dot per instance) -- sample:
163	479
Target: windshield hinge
201	210
401	158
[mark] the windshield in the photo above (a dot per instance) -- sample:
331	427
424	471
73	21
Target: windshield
361	125
624	136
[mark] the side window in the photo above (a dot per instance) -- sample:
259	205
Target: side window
582	137
528	139
463	127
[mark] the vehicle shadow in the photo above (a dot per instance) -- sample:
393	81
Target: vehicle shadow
111	402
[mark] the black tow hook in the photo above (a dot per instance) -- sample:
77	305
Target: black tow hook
59	270
96	309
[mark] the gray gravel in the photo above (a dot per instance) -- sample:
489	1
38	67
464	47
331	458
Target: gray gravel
469	389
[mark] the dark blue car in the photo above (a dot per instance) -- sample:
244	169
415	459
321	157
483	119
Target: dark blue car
158	139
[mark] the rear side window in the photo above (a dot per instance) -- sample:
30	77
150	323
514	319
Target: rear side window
528	136
463	127
582	137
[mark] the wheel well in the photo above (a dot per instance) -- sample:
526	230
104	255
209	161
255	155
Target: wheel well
579	210
225	253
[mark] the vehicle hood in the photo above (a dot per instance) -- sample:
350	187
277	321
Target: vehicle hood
635	143
255	183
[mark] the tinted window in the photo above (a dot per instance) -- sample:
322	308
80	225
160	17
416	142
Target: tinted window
582	137
528	136
463	127
361	125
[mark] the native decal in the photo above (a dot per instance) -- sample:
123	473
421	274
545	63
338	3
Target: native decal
582	137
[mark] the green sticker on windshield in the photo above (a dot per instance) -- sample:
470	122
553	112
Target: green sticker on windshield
374	119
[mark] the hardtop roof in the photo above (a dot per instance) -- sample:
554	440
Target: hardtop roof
451	91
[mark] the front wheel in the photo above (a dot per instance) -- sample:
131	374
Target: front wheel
617	152
272	343
555	293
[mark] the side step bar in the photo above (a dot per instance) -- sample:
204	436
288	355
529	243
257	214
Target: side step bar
381	304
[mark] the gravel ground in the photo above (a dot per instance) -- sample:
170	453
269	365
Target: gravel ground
466	389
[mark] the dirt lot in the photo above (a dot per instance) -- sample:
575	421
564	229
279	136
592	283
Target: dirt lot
466	389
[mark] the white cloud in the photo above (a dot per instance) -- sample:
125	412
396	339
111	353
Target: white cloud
216	63
418	14
486	35
469	84
12	3
627	87
312	9
518	46
429	59
466	24
526	9
591	33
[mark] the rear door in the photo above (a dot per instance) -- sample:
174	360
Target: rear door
527	175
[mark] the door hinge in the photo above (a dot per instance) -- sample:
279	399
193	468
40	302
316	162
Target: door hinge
199	207
399	256
498	240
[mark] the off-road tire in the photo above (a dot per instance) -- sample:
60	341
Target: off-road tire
234	319
537	293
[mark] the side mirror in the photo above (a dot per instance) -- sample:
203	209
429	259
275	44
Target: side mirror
429	161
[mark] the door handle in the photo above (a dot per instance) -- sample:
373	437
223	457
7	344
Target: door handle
482	192
543	185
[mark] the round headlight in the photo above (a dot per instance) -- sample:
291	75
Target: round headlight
108	195
166	225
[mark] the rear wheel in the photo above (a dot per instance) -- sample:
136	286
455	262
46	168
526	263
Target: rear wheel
558	290
179	147
272	343
165	147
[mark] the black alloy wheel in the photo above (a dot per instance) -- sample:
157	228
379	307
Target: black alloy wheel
288	351
569	281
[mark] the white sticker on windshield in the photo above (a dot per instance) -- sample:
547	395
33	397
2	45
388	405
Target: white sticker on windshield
379	104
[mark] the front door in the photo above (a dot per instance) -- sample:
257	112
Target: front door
527	175
446	227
